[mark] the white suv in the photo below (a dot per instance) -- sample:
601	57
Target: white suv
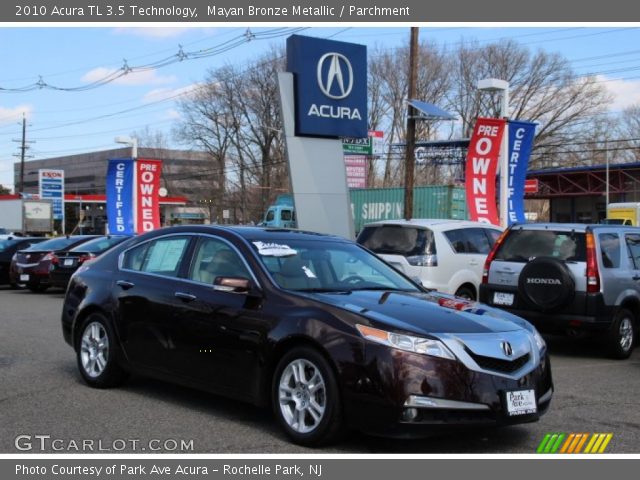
446	255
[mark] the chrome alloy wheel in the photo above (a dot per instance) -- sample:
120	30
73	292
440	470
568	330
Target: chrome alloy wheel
94	349
625	333
302	395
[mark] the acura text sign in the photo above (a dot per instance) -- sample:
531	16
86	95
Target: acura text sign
330	82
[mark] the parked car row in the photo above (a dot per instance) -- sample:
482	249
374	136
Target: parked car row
38	263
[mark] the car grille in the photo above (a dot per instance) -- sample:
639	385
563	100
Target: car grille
499	365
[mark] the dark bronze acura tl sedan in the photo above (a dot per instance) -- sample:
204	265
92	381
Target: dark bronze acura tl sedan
314	326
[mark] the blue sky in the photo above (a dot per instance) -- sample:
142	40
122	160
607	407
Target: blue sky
74	122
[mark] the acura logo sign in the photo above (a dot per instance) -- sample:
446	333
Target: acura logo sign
506	348
338	72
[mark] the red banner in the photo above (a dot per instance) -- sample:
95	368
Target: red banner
480	173
146	194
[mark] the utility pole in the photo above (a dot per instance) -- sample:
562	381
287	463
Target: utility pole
22	154
410	157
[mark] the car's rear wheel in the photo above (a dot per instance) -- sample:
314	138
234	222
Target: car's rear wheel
306	398
622	335
466	293
96	353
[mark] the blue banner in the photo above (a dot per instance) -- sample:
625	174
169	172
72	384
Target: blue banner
520	142
120	208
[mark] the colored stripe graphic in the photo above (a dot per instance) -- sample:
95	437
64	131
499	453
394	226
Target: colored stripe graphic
574	443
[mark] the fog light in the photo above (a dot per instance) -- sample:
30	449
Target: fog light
409	414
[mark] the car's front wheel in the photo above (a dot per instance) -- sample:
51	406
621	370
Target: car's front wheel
622	335
306	397
95	350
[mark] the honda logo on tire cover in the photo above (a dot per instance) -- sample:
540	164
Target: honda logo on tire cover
339	67
544	281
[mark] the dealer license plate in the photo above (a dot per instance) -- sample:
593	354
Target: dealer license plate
521	402
68	262
502	298
24	278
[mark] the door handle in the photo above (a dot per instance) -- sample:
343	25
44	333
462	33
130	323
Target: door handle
473	262
636	277
125	285
187	297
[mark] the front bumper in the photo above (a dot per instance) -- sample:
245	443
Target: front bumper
402	394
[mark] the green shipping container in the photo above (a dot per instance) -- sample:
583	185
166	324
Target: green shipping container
437	201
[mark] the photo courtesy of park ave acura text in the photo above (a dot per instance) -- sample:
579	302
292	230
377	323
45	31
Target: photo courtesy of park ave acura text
341	231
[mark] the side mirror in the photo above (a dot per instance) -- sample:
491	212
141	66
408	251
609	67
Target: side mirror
232	284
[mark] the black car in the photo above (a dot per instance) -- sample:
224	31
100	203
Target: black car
316	327
68	262
8	248
32	266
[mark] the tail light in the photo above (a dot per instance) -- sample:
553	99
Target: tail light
52	257
86	257
430	260
491	256
593	276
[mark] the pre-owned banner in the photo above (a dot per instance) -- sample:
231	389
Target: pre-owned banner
480	172
146	194
119	191
520	142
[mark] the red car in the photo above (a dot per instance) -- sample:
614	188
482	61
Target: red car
30	267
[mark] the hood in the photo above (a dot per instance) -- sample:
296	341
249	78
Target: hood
418	312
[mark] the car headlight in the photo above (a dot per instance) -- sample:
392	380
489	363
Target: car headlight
540	343
424	346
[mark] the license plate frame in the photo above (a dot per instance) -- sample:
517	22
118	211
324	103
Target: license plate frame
520	402
68	262
503	298
24	277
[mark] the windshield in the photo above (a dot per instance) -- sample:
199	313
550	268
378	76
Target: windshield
311	265
524	245
98	245
398	240
54	244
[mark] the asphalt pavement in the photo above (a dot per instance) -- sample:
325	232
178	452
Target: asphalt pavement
45	406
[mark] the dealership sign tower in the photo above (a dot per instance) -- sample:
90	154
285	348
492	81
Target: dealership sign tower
323	97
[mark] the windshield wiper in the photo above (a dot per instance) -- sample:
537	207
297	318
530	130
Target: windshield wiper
323	290
383	289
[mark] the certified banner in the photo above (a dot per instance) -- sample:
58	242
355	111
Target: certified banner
480	172
520	142
146	194
119	191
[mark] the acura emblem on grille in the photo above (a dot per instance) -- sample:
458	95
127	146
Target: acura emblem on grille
506	348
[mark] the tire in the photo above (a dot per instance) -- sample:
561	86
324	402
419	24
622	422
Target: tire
546	284
96	351
466	293
290	397
622	335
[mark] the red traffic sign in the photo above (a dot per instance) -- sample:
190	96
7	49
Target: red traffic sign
531	185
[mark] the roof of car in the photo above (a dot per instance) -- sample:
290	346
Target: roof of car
257	233
433	222
581	227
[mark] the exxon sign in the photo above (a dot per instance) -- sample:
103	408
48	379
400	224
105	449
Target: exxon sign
330	81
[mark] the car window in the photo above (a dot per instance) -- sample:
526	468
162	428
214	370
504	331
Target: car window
161	257
610	250
524	245
270	216
468	240
215	258
398	240
54	244
285	215
493	235
633	245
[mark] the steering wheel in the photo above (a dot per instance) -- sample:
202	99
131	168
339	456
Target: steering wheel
353	279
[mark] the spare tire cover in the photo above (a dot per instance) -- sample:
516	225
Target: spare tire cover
546	284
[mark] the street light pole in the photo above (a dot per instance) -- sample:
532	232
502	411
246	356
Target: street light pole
494	85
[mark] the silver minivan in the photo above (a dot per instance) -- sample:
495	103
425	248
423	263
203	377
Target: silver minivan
569	278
